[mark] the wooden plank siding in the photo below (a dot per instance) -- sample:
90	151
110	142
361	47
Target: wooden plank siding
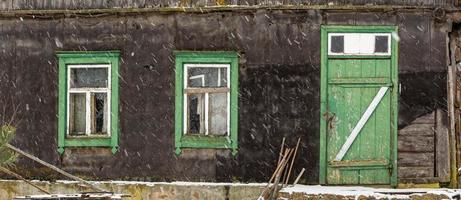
279	87
423	149
416	147
105	4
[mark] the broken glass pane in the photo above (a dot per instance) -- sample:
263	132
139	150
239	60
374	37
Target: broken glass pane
381	44
99	113
196	114
77	113
207	77
337	44
88	77
218	113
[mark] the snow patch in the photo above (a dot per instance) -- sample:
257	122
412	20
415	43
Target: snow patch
369	192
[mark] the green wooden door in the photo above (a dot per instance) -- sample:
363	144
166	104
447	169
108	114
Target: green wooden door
352	86
358	117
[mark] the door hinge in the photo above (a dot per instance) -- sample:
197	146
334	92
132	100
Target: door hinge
329	117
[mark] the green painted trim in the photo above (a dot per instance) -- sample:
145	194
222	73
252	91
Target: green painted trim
395	107
358	29
324	30
88	57
360	163
205	142
216	57
178	122
361	56
364	167
234	73
359	81
84	142
62	98
323	107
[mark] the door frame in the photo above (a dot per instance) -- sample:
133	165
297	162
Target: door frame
325	29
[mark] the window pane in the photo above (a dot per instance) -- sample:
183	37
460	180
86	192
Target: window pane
218	113
99	113
196	114
207	77
88	77
352	43
381	44
337	44
77	110
366	43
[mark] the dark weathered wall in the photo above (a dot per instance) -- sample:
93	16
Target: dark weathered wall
279	86
99	4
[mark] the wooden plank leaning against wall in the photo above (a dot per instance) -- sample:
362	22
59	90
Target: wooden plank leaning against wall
454	99
453	106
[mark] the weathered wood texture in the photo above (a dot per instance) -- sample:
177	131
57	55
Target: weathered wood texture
424	148
442	153
279	85
99	4
416	147
416	172
411	160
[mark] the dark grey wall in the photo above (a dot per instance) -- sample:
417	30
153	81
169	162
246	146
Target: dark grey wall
279	86
98	4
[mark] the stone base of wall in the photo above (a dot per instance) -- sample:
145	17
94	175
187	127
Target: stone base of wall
140	190
221	191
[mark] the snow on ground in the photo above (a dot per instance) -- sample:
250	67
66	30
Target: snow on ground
368	192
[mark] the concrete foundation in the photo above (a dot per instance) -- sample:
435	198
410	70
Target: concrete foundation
140	190
221	191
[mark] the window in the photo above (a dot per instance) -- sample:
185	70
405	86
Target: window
359	44
206	100
88	89
88	99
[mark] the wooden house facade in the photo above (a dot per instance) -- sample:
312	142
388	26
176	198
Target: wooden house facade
206	90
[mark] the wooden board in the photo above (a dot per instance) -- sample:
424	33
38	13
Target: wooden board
409	159
416	144
418	130
442	148
415	172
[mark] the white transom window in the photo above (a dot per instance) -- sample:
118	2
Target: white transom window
88	100
359	44
206	99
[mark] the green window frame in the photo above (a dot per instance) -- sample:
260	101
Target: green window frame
182	140
67	58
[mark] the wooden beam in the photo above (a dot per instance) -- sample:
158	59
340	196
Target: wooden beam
451	112
299	176
292	161
7	171
442	148
363	120
54	168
